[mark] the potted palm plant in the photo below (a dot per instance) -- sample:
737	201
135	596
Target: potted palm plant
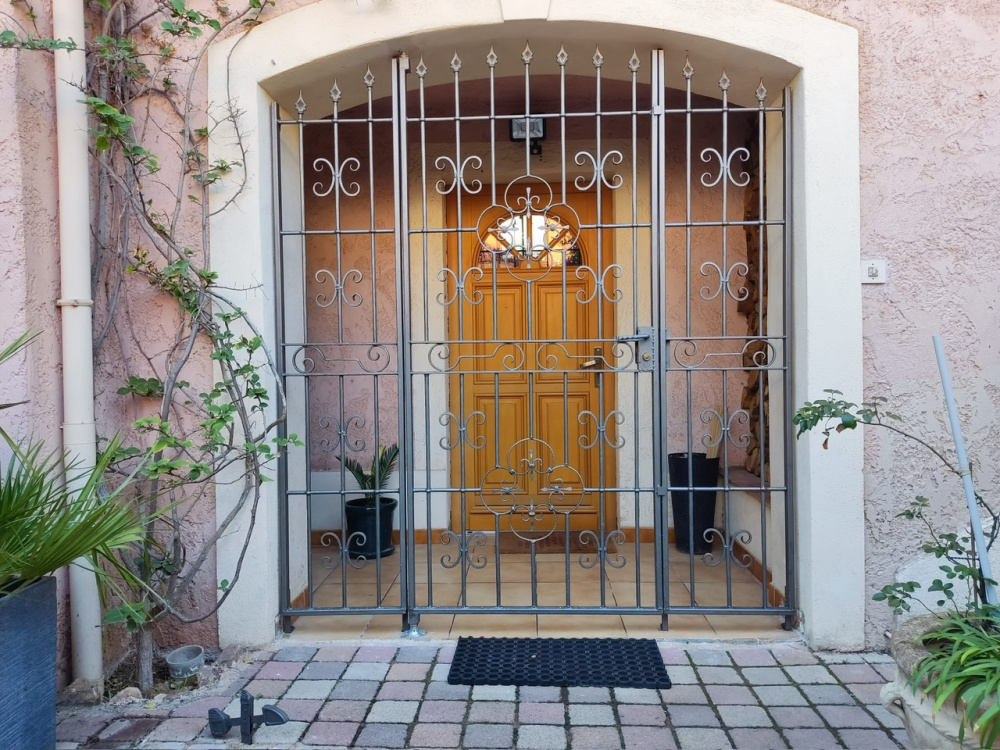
369	518
51	514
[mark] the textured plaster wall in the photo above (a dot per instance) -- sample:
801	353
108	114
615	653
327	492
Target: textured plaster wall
29	273
930	194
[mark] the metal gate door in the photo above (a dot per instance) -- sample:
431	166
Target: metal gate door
558	283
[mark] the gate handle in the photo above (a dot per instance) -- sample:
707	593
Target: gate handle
633	337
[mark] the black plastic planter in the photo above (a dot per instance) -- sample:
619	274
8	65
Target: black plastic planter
364	539
704	473
28	666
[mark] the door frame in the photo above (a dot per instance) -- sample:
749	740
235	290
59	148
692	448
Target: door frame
609	384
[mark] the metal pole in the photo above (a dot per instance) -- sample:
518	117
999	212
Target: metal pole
963	468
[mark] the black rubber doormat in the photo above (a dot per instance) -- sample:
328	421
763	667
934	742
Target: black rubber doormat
561	662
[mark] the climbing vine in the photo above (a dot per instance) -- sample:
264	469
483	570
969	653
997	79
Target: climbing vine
192	424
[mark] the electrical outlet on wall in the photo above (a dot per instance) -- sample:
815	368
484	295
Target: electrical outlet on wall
874	272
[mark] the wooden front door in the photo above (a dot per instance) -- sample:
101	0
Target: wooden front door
530	391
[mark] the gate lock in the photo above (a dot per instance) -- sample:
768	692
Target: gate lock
645	355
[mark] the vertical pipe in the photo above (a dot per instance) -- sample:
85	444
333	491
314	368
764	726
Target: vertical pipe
79	429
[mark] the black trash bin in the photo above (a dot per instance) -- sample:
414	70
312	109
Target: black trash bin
705	473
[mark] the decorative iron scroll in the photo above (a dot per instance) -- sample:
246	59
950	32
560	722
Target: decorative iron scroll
506	491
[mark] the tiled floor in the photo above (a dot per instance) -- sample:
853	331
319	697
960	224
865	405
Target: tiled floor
395	694
618	587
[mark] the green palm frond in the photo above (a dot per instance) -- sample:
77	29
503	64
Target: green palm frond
377	476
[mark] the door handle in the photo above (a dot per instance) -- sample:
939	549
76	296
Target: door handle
596	364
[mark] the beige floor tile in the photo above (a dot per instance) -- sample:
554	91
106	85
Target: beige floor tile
516	626
581	626
716	595
330	627
581	594
625	593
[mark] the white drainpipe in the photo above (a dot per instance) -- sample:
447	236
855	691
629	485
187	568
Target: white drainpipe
79	429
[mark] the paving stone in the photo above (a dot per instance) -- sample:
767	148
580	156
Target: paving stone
379	654
681	675
408	672
744	716
866	739
866	692
335	653
442	691
541	713
540	694
796	716
753	657
494	693
710	657
440	672
162	745
839	657
730	694
648	738
491	712
344	711
331	733
393	712
719	676
446	712
446	654
540	737
280	670
323	670
66	745
416	654
300	709
856	673
692	716
811	739
765	676
847	717
691	738
267	688
594	738
178	730
365	671
80	728
788	655
401	691
874	657
888	671
780	695
673	655
828	694
315	689
637	695
638	714
756	739
902	739
590	714
436	735
488	735
199	708
684	694
139	711
810	675
883	717
382	735
355	690
589	695
295	653
283	734
128	730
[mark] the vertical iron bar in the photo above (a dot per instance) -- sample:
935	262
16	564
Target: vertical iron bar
657	258
789	326
401	234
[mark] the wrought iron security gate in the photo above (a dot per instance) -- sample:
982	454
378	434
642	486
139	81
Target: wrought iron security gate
560	285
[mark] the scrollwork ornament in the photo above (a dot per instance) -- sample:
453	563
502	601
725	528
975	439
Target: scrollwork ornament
603	429
739	268
337	177
588	560
615	182
463	432
353	276
458	174
466	549
725	167
603	285
742	536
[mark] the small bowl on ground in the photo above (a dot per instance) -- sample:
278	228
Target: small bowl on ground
185	661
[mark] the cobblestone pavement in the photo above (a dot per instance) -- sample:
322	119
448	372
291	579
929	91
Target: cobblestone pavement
395	694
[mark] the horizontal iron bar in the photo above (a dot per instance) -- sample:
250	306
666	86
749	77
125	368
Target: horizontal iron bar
430	610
